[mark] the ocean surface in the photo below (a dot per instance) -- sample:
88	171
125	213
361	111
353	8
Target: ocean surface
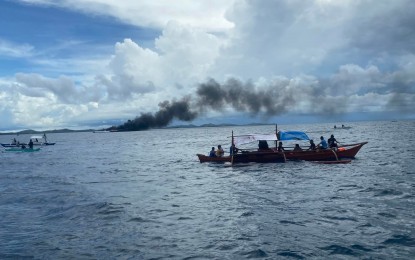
144	195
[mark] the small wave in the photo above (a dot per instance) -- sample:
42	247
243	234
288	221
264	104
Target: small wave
385	214
361	248
338	250
388	192
341	218
140	220
290	254
403	240
184	218
258	253
247	214
291	222
227	247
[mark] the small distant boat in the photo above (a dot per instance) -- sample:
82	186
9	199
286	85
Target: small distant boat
342	127
22	150
38	140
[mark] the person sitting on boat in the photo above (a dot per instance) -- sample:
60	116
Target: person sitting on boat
322	144
297	148
233	150
280	147
263	145
23	146
14	141
332	142
220	152
312	145
212	152
31	144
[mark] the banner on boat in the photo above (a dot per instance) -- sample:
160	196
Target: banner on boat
283	136
292	135
245	139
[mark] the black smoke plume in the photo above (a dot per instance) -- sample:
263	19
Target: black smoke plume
243	97
270	100
167	112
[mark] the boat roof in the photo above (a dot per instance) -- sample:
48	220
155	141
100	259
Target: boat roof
292	135
283	136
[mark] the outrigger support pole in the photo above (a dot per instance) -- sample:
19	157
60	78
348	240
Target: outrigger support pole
276	134
232	149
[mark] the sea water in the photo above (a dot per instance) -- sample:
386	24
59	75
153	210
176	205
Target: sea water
144	195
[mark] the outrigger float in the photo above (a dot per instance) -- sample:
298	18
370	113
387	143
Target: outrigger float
340	155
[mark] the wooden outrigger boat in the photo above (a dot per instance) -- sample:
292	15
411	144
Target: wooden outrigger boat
38	140
342	154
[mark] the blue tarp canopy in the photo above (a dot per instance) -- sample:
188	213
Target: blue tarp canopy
292	135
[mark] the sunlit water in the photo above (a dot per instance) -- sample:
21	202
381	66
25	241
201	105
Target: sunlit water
144	195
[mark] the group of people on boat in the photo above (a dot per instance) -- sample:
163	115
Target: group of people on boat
30	144
323	144
220	152
263	146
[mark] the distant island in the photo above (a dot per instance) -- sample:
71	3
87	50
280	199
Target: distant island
116	129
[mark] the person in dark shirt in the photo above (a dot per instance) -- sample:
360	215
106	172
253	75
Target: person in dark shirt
233	150
263	145
212	152
297	148
332	142
312	145
280	147
31	144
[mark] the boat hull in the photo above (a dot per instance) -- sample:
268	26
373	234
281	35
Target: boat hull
19	145
344	152
246	157
25	150
327	155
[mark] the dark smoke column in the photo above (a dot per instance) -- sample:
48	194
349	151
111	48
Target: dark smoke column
167	112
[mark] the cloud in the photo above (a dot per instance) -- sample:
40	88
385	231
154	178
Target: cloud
204	14
9	49
270	57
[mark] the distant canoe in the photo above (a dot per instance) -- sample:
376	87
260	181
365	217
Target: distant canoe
342	127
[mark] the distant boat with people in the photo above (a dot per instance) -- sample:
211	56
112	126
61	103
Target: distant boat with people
37	140
342	127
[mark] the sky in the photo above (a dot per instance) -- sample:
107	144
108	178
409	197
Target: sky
95	63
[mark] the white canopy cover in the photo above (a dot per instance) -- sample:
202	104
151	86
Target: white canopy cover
245	139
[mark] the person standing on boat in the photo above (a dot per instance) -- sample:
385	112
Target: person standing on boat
233	150
31	144
220	152
280	147
323	143
212	152
332	142
312	145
